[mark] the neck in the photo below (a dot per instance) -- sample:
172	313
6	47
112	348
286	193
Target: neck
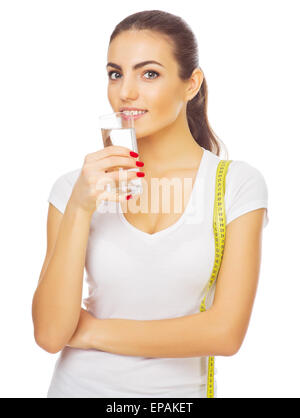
171	148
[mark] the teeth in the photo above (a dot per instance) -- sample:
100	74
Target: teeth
134	112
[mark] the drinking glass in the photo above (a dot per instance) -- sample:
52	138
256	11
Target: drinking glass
119	130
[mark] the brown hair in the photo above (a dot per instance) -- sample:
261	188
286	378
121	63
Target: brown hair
185	51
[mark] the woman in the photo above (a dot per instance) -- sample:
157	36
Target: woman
142	334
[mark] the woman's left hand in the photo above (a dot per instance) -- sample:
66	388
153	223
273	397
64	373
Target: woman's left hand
82	337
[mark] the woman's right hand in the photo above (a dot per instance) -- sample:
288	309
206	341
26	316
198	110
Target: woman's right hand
99	169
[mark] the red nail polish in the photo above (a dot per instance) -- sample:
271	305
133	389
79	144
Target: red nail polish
129	196
139	163
140	174
134	154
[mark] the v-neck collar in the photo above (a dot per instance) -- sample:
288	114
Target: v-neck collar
180	221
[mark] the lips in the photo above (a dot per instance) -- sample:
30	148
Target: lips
127	117
132	109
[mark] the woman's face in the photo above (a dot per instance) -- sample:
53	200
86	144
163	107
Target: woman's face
153	87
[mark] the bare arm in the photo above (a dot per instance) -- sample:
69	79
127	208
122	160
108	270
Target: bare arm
218	331
196	335
57	300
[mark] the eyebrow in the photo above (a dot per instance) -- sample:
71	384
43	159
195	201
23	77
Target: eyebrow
135	67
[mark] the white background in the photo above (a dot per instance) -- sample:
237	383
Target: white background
53	87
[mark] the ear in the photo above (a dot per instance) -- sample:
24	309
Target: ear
194	84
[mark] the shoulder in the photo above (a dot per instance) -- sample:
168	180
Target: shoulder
245	190
242	176
67	179
62	188
239	171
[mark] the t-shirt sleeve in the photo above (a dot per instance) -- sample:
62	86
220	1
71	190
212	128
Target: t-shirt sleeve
245	190
60	193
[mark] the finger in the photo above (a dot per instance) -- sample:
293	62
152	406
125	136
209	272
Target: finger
111	150
111	196
114	179
122	175
112	163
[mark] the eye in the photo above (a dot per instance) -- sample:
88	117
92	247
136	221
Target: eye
110	73
153	72
149	71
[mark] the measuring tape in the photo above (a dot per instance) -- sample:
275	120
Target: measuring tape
219	224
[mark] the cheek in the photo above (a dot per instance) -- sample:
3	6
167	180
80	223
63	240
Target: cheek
111	95
163	100
167	107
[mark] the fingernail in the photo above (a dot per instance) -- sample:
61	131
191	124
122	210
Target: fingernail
129	196
139	163
133	154
140	174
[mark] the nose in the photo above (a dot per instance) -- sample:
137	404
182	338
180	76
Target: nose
128	90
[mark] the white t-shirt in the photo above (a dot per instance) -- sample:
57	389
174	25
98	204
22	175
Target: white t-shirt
135	275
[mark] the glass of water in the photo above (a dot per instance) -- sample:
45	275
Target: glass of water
116	129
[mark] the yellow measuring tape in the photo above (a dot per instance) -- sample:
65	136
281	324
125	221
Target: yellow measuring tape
219	224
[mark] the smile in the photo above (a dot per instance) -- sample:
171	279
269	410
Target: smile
129	115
